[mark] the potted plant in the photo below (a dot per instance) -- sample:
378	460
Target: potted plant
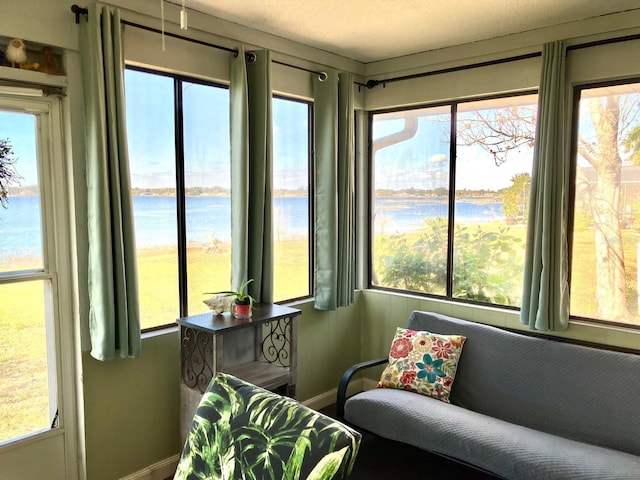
242	303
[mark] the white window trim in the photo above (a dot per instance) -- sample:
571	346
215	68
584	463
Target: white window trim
59	245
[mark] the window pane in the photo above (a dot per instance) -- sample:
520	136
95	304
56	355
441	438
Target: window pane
150	131
493	180
410	157
24	383
20	216
606	235
208	191
291	199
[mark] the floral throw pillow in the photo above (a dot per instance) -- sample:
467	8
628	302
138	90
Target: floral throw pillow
423	362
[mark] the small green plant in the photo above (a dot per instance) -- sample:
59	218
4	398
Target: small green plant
486	265
241	295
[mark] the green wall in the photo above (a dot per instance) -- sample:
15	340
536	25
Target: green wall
132	406
328	343
131	409
382	312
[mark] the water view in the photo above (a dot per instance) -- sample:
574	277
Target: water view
209	217
404	214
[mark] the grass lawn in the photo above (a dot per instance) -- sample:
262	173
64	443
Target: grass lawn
210	272
24	389
23	369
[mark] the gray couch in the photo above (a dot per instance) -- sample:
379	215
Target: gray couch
521	407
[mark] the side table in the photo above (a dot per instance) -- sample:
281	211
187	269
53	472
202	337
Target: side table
261	350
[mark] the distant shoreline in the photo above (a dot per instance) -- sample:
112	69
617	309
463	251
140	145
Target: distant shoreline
483	197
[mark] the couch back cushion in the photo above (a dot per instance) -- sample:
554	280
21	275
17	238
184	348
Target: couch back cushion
587	394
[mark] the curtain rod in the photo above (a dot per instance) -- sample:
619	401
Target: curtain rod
374	83
77	10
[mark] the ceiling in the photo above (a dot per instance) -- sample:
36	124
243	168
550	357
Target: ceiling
371	30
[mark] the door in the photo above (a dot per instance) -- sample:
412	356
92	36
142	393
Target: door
38	421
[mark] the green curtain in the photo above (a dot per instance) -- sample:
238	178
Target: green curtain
545	298
114	322
239	126
251	172
346	191
334	262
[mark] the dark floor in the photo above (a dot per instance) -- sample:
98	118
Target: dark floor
379	458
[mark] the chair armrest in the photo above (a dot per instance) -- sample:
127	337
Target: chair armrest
346	378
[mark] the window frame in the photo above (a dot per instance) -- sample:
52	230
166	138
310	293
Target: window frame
577	90
178	81
453	105
311	190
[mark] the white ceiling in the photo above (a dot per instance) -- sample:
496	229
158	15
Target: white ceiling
371	30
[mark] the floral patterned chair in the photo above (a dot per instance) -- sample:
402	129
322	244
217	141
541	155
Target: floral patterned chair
241	431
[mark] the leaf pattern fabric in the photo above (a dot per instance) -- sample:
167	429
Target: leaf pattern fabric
423	362
241	431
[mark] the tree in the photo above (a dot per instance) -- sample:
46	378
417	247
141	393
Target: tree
516	198
8	174
499	131
611	116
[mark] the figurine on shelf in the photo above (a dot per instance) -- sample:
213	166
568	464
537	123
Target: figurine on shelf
16	52
49	62
30	66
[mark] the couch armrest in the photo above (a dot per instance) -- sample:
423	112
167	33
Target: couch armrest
346	378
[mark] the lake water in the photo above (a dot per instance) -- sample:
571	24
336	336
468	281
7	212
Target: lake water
407	214
210	216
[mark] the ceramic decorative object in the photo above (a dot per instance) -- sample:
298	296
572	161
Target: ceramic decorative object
219	303
16	52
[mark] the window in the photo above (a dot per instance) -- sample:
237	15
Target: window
178	134
291	201
450	193
30	275
605	284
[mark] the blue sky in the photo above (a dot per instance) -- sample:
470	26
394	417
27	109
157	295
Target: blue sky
20	129
151	127
421	162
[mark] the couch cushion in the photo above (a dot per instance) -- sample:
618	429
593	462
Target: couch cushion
508	450
422	362
583	393
240	430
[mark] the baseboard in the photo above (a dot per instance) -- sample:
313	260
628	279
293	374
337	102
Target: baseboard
328	398
158	471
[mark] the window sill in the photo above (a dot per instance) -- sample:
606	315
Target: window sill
160	332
